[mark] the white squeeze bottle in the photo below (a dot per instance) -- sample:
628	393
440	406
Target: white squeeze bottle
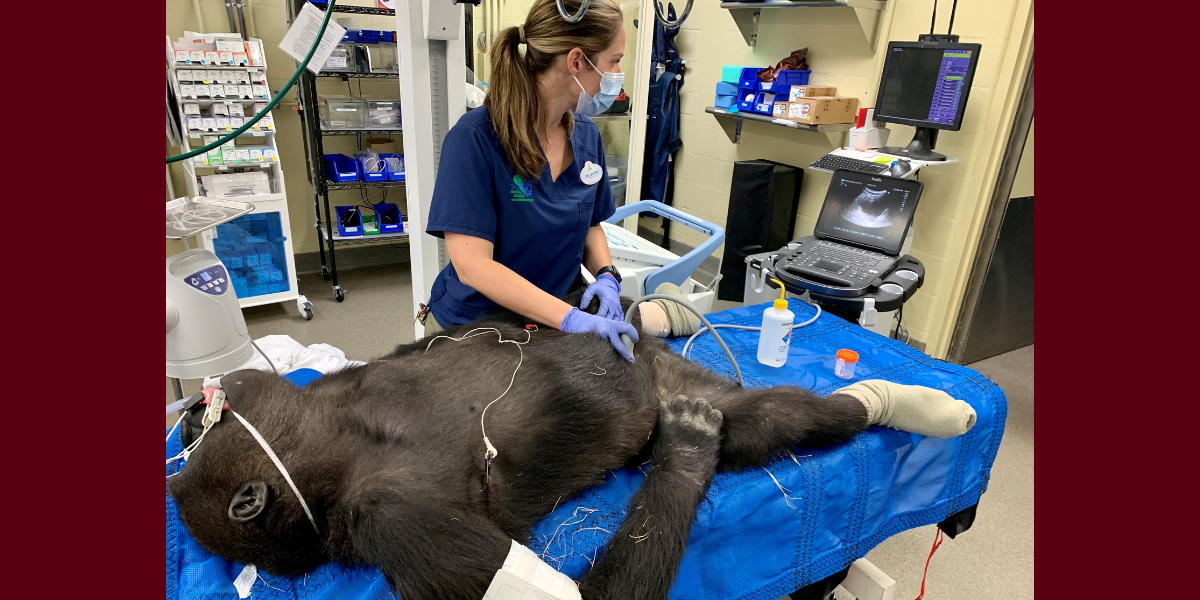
776	332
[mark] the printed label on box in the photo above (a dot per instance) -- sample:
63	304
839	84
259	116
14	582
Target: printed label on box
220	110
211	57
240	59
212	76
336	62
236	122
256	155
197	56
798	111
210	124
243	77
231	90
235	109
261	91
187	91
216	90
195	124
223	123
243	155
191	109
245	91
225	58
269	154
230	45
183	56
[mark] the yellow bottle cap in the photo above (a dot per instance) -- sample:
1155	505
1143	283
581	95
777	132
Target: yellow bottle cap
781	303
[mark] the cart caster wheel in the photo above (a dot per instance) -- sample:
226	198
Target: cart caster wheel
308	314
339	294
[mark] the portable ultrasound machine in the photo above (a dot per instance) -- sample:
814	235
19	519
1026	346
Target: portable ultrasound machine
644	266
855	264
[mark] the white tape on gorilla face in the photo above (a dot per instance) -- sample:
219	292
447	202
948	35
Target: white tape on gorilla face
524	576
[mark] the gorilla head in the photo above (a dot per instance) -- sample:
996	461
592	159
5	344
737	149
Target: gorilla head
232	497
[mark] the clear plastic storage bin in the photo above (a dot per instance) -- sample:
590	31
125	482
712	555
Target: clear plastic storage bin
384	114
341	59
343	112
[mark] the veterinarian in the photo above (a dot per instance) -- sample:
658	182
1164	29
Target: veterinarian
522	185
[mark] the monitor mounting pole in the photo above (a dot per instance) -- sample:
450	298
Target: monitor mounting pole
432	82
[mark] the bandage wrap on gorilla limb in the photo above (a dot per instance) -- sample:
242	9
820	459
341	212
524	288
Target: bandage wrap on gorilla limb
912	408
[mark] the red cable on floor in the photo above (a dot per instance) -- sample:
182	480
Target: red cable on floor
937	541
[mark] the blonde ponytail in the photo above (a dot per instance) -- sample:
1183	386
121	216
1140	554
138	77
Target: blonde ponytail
513	101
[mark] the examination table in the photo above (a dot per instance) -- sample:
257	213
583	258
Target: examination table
759	534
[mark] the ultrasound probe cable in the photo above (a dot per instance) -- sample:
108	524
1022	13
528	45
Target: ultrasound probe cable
688	305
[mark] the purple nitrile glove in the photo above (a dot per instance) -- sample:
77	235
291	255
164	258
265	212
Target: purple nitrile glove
609	290
578	321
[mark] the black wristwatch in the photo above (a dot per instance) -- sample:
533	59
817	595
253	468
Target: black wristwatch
609	269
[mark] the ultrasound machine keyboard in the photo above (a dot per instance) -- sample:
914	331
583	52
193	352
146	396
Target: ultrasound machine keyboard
854	264
849	255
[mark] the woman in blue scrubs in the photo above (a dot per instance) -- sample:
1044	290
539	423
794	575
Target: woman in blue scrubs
522	185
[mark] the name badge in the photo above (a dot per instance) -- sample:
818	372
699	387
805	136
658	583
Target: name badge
590	173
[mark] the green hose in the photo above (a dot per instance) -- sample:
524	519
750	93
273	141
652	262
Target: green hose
272	103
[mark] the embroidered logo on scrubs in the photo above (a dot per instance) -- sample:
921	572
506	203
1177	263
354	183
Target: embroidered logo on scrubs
520	190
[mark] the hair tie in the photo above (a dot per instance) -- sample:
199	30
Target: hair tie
521	32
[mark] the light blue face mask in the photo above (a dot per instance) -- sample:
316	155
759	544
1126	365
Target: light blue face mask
610	88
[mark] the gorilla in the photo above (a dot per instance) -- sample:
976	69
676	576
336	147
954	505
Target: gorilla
391	460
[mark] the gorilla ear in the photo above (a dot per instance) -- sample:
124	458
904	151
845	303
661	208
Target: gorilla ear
249	501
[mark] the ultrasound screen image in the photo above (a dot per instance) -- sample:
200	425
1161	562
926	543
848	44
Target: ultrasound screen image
869	210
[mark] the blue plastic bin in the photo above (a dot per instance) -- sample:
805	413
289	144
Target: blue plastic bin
725	102
339	167
725	88
745	100
394	175
387	37
749	78
274	288
369	36
351	36
370	175
353	230
389	209
764	102
784	80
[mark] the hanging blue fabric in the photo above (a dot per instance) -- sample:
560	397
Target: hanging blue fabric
662	108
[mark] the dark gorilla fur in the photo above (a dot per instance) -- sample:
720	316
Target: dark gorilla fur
390	457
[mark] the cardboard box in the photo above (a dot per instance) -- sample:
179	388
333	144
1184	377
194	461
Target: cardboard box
780	110
823	110
382	145
810	91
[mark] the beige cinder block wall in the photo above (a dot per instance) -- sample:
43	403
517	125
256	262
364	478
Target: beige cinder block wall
270	19
946	221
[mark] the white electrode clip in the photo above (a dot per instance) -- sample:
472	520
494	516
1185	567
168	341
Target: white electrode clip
216	404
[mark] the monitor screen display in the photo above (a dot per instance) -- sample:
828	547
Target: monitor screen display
868	210
926	84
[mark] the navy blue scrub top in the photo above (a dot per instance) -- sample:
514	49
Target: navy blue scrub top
538	228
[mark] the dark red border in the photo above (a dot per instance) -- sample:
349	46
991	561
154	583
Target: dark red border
81	288
1116	334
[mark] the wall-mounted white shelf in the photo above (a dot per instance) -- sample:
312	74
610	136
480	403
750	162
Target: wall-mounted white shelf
748	14
731	122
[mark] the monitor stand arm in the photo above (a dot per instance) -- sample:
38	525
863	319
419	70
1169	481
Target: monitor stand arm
920	148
